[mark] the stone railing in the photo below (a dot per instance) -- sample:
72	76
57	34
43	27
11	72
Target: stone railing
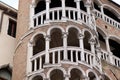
56	15
56	57
107	19
115	60
104	55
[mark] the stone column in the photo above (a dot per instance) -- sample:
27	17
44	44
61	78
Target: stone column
67	77
32	12
63	10
46	79
29	55
107	44
47	46
47	11
88	12
84	78
65	45
81	44
98	50
78	8
92	44
93	21
102	11
108	50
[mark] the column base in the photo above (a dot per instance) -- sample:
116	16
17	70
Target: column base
79	20
46	65
47	21
64	19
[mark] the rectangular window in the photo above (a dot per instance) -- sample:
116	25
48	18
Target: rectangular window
12	28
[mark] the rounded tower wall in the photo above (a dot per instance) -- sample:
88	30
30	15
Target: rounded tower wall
63	40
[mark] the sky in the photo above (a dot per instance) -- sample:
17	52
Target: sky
14	3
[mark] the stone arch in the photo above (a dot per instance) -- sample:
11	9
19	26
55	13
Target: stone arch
55	27
111	8
101	37
56	38
84	30
102	32
87	37
72	39
114	43
73	26
97	4
37	33
56	74
93	74
76	67
40	5
106	77
37	74
54	68
38	43
111	12
113	37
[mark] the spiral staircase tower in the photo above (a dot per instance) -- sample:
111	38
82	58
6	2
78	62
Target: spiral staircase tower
67	40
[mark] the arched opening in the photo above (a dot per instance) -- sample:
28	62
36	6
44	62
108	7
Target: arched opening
102	41
56	38
82	6
40	6
86	40
73	37
70	3
38	78
5	73
55	3
114	47
39	44
56	75
105	77
76	74
92	76
111	14
96	6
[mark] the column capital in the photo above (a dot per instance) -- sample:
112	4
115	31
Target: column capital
92	41
88	3
77	0
98	49
33	5
80	36
31	43
67	75
49	1
101	6
106	37
65	34
47	37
